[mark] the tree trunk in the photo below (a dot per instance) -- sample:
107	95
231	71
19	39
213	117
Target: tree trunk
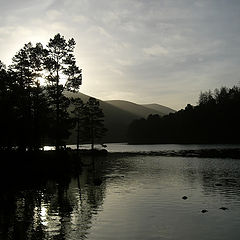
78	135
57	115
92	135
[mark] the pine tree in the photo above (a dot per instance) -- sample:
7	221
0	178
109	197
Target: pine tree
94	121
25	71
79	113
63	75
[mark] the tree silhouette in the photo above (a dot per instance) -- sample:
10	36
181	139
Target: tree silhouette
24	74
63	74
94	123
5	107
79	113
33	114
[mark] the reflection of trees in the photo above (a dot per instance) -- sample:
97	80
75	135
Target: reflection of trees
65	208
7	209
17	215
61	209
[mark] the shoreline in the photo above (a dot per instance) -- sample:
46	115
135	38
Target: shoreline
233	153
29	168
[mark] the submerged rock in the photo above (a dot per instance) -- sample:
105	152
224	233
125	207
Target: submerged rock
223	208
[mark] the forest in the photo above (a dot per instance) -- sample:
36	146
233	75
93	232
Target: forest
33	104
215	119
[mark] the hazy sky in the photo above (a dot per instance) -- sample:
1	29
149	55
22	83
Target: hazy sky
145	51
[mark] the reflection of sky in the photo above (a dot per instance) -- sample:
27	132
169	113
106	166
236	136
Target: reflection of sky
143	51
140	198
49	220
54	216
43	215
124	147
147	202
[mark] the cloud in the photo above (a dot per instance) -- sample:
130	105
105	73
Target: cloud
136	49
156	50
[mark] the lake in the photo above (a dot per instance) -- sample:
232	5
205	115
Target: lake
124	147
130	197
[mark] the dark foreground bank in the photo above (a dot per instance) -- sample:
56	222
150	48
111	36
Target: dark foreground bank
26	168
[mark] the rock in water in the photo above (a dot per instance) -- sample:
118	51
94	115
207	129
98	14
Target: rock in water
223	208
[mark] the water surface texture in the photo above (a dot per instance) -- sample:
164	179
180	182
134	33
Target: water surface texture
124	147
130	197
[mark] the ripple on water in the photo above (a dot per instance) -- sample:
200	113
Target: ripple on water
139	198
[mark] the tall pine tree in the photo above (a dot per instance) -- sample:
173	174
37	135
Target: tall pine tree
62	75
94	123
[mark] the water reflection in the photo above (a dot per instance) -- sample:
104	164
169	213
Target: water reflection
59	209
136	197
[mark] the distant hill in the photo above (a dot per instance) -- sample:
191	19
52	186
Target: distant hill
119	114
160	108
140	110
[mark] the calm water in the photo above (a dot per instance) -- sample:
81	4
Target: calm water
124	147
140	197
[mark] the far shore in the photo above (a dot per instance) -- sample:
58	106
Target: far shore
233	153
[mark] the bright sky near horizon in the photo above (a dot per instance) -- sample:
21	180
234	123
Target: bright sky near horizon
145	51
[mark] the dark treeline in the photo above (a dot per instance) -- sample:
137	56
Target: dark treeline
33	104
215	119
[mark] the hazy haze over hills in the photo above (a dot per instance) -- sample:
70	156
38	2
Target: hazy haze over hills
119	114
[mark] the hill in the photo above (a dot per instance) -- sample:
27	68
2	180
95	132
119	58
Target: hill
137	109
160	108
118	115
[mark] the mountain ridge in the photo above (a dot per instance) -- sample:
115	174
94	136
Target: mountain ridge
118	115
155	106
